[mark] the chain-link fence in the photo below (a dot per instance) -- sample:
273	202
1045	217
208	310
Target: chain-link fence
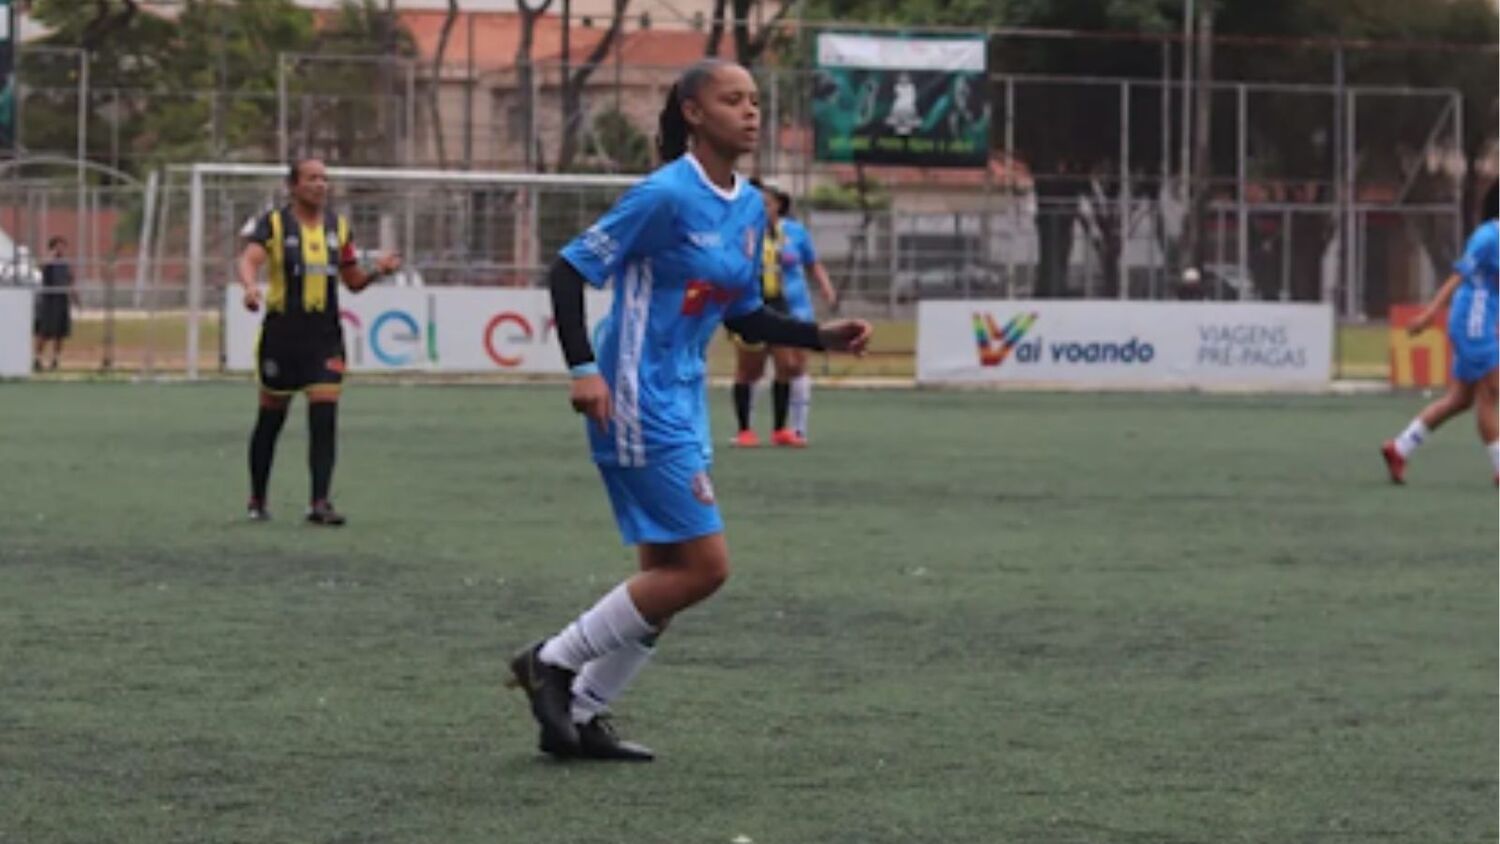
1324	175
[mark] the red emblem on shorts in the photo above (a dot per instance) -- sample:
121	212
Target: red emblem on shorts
335	365
703	488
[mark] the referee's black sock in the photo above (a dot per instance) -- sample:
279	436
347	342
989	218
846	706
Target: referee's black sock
781	401
263	449
742	404
322	423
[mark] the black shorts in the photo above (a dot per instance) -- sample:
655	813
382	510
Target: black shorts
778	304
53	318
291	357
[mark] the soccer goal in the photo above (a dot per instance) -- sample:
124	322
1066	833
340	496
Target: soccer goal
457	231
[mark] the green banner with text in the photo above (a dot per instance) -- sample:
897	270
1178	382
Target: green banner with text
901	101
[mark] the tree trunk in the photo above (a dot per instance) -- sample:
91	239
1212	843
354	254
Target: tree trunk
526	78
573	85
433	109
716	30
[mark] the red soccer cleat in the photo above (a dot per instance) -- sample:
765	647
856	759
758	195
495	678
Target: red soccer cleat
746	439
788	438
1394	462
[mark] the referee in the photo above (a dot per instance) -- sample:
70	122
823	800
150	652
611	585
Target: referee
306	249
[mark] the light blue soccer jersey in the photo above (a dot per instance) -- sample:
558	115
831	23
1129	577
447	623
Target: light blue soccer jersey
797	254
1475	310
683	255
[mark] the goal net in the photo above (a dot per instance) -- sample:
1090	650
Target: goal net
475	245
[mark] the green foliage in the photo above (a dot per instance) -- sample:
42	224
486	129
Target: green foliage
203	85
828	197
619	146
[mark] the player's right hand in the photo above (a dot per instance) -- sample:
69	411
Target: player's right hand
252	298
590	396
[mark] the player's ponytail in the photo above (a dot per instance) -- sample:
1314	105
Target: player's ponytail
1492	203
673	131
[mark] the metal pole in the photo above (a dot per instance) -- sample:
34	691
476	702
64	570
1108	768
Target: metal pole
81	202
1458	200
195	268
1185	155
1286	254
411	112
143	243
1351	263
283	145
1329	292
1124	269
1010	179
1242	174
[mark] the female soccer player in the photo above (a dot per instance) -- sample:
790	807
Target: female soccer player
788	250
682	248
1473	290
307	249
798	257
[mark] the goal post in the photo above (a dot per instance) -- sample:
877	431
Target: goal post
454	227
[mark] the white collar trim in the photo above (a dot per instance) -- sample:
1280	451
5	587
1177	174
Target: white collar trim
727	195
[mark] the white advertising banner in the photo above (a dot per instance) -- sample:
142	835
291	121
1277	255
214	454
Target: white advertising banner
1106	344
469	330
15	332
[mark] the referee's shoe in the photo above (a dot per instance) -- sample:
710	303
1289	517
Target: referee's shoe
322	513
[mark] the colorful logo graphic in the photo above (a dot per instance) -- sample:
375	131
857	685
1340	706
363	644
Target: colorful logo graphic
997	342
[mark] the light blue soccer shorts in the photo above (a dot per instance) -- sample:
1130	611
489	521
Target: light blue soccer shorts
668	500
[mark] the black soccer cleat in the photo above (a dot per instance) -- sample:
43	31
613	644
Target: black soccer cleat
549	688
256	511
597	740
322	513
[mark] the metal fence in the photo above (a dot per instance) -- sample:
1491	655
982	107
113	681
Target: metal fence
1319	177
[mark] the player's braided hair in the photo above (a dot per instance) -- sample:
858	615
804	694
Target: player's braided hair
672	126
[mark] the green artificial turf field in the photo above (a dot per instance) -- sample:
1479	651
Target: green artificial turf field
956	618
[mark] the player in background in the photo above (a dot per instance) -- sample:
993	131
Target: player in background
798	257
683	249
1470	294
788	254
306	249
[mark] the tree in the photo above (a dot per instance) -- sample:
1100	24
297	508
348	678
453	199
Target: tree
433	101
750	42
172	77
526	77
573	81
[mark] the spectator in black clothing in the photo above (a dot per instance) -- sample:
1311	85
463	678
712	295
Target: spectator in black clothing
55	301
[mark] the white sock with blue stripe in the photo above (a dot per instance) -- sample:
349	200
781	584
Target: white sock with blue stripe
607	626
602	681
1415	434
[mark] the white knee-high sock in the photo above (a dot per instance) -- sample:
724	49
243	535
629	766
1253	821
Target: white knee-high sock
1415	434
602	681
608	625
1494	450
801	403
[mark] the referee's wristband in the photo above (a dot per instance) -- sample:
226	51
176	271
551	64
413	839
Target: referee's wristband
584	370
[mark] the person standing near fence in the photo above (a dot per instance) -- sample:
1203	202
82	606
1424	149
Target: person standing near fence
683	250
55	303
1472	296
306	249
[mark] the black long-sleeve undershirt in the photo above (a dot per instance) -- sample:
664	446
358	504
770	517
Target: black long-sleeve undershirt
761	326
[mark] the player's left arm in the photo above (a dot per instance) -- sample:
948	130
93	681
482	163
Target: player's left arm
764	325
357	278
825	284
